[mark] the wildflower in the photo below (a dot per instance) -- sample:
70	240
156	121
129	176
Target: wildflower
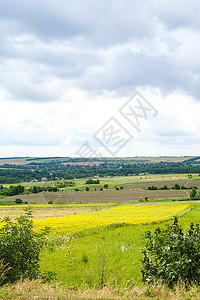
123	248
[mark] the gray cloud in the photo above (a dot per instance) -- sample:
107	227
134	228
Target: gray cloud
178	14
75	43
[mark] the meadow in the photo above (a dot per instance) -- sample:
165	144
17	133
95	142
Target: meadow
96	238
103	262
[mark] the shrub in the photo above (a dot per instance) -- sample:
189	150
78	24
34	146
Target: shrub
85	258
171	255
177	186
50	202
18	201
193	193
91	181
48	276
152	187
183	187
20	247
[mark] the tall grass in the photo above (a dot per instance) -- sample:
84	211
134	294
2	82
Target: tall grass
36	290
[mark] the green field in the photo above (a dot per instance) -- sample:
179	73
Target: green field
108	255
99	259
95	257
134	189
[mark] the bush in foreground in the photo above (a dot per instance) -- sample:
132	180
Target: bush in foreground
172	256
20	248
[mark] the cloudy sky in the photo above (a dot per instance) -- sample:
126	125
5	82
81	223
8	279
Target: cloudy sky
68	67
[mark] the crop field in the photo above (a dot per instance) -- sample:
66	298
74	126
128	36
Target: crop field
104	262
46	211
16	161
97	244
109	255
96	237
168	183
151	159
117	180
113	195
25	160
135	214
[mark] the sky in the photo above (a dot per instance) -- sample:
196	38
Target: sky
99	78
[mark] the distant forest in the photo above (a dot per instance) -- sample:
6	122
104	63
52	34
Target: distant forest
54	169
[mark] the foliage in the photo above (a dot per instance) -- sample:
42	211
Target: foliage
172	256
37	189
18	201
85	258
20	247
48	276
193	193
53	169
91	181
177	186
12	190
152	187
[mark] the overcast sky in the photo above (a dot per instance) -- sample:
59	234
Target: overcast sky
68	67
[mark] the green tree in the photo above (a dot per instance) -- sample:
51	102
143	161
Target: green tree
34	189
171	255
177	186
193	193
20	247
18	201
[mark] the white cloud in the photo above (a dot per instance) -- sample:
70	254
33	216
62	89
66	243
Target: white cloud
65	70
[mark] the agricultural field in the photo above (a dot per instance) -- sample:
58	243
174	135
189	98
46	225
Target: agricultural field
135	214
133	189
28	160
150	159
122	196
107	255
50	211
99	250
96	237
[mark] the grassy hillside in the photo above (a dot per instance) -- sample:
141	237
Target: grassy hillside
101	263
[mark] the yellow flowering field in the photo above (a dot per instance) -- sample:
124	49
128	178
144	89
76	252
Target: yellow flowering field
135	214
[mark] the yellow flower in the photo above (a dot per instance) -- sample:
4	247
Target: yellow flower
130	214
